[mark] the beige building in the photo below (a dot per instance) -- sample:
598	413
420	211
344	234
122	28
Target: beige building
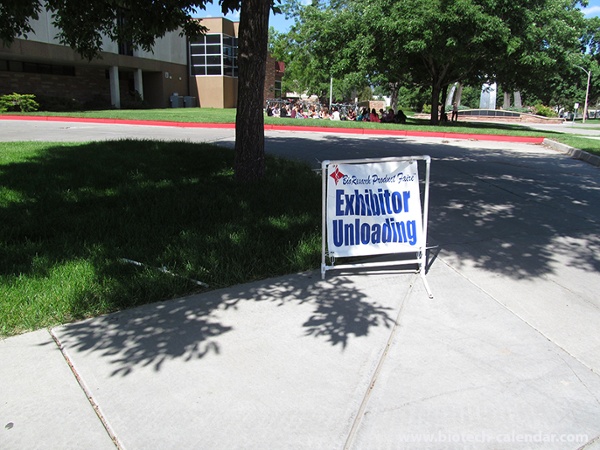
214	69
42	66
213	64
177	73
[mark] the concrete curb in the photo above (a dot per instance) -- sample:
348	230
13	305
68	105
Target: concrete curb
574	153
411	133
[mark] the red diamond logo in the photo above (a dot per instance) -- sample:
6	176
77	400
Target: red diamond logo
337	175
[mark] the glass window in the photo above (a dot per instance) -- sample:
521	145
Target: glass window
213	49
198	70
213	60
198	60
197	49
213	38
209	57
277	92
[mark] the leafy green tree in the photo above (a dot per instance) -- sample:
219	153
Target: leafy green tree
590	42
434	43
567	86
15	15
83	24
318	47
470	97
307	68
539	58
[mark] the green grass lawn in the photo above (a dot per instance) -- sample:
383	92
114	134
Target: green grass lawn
210	115
73	213
582	143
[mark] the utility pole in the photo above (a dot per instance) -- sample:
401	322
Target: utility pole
587	92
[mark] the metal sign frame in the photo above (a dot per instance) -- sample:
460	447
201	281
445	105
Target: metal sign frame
420	259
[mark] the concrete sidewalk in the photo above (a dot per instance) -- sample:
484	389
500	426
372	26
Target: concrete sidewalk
505	356
355	361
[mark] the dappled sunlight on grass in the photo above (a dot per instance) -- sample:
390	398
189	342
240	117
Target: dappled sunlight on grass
74	212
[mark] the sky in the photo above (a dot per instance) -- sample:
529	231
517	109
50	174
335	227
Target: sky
281	25
593	9
276	21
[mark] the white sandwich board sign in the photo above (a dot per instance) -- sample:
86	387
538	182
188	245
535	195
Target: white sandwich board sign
374	207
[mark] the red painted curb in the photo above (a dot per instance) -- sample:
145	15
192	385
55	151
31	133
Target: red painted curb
272	127
434	134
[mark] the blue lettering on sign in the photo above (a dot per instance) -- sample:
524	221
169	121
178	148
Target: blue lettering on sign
357	233
370	203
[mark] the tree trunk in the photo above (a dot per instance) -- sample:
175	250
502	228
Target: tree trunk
443	95
517	96
394	88
438	85
249	162
506	103
458	95
435	103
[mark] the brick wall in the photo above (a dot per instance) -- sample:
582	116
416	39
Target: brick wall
269	91
89	84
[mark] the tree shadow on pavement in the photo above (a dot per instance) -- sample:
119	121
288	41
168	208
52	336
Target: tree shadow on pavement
190	328
508	208
500	209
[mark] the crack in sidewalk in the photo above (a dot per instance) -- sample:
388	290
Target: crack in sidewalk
86	391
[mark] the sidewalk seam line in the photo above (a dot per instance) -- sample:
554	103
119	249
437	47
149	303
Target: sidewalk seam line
86	392
363	406
589	444
514	313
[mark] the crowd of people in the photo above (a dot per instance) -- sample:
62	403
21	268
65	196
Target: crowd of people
302	111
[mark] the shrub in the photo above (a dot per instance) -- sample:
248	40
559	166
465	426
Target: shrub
18	102
544	111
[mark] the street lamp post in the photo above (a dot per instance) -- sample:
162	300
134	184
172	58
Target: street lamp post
330	93
587	92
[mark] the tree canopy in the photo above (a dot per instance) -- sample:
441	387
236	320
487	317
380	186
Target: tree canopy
434	43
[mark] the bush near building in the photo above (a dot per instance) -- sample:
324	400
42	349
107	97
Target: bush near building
18	103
